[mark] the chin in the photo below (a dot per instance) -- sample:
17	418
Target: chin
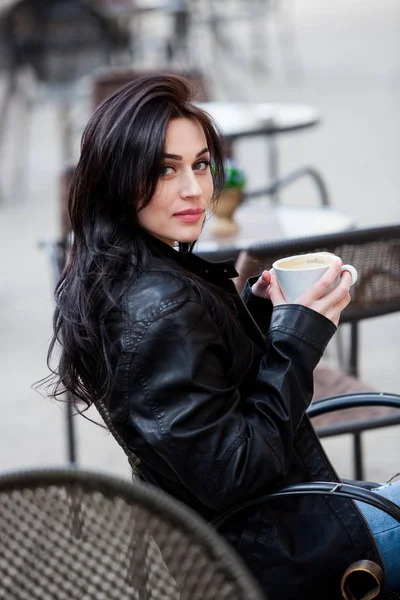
187	237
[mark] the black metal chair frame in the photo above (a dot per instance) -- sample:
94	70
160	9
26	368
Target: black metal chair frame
281	182
56	254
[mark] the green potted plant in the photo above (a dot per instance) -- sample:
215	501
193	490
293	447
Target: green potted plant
223	222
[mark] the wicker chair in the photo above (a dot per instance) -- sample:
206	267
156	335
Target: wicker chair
69	535
375	252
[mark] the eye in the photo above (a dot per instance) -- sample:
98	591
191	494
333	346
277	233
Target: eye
167	170
202	165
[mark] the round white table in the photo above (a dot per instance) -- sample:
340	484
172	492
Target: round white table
245	119
238	120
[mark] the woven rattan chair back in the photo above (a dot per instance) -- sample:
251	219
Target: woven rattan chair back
375	252
74	535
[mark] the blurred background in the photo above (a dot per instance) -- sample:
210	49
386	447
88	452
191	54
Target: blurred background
342	58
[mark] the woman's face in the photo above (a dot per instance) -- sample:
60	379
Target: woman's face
178	208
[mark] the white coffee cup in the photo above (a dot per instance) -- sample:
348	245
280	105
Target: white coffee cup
296	274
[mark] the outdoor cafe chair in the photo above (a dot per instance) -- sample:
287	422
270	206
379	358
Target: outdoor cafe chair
70	534
46	48
375	252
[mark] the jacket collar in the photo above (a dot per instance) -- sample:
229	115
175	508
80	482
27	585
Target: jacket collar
218	273
220	270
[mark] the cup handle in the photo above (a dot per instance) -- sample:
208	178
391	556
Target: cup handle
353	272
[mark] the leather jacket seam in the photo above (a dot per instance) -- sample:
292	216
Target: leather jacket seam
229	452
132	340
241	442
183	456
309	311
300	336
158	417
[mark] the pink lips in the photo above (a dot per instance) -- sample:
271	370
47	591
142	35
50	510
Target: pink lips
191	215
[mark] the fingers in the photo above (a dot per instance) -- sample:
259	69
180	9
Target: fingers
331	304
266	277
337	293
327	300
341	290
321	287
275	292
261	287
333	312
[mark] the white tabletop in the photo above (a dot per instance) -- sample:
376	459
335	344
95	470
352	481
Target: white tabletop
250	118
260	221
121	8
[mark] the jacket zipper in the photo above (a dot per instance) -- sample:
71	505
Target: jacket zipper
335	474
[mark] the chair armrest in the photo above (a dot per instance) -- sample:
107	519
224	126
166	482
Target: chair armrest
292	177
319	488
344	490
341	401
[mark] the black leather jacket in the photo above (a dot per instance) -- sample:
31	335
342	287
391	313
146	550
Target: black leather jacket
215	443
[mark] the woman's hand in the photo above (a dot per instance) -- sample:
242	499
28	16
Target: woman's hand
262	286
329	305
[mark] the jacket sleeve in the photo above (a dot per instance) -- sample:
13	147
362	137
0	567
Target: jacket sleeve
224	446
259	308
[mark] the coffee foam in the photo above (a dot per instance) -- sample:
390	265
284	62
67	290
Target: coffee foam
306	262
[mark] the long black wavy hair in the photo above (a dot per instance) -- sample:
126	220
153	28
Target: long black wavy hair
118	171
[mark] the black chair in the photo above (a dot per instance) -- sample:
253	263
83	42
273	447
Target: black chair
68	535
57	253
375	252
61	40
47	46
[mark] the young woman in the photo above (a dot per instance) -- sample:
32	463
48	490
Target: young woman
209	390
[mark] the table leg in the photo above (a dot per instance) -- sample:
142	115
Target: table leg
5	105
66	131
273	165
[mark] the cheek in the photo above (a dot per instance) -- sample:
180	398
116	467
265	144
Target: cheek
152	207
145	216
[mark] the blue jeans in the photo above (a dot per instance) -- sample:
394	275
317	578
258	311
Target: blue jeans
386	532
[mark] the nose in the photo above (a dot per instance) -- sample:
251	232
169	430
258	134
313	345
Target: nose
190	187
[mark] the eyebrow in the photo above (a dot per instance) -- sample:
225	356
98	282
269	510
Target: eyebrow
177	157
